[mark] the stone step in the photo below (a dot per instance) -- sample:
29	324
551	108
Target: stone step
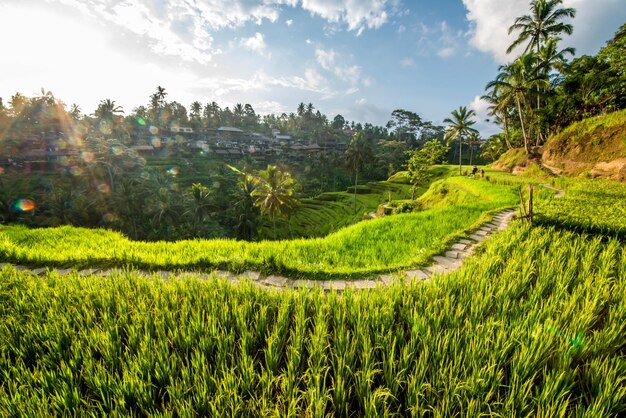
416	274
437	269
276	281
459	247
449	263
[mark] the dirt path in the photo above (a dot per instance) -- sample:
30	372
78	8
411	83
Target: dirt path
450	260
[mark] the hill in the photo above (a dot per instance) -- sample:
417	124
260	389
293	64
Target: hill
329	212
593	147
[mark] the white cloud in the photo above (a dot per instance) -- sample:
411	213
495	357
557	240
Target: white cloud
327	60
289	22
594	24
401	29
407	63
357	14
363	111
269	106
255	43
446	52
439	39
481	107
182	29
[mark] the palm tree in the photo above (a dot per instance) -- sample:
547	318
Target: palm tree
275	193
108	110
543	22
515	82
474	139
357	152
460	125
499	108
160	94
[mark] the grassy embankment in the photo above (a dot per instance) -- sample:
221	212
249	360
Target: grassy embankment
331	211
380	245
532	325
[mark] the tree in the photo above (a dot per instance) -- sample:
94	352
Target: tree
459	126
107	110
434	151
275	194
543	22
356	153
246	210
417	167
160	94
338	122
406	125
515	82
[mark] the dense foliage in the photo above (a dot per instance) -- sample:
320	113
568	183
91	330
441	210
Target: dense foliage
89	170
540	91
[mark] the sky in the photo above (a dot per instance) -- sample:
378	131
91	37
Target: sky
358	58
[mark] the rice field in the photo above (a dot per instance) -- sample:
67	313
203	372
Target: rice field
533	326
377	246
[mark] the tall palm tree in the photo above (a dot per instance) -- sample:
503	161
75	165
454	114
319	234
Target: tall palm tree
543	22
499	108
357	152
460	125
472	140
515	82
275	194
160	94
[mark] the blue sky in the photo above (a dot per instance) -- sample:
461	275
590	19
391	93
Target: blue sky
358	58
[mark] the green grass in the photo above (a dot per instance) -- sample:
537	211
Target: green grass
532	325
489	339
588	206
331	211
380	245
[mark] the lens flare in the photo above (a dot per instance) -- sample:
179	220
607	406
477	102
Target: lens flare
109	217
76	171
87	156
156	142
117	150
173	171
103	188
23	205
154	130
141	122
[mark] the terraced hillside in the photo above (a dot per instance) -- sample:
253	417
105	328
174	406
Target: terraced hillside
329	212
533	324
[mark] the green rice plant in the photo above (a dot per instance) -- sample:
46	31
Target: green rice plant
381	245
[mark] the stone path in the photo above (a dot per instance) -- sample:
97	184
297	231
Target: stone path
559	193
450	260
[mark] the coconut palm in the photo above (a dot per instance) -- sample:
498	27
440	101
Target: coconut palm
108	110
357	152
499	109
275	194
515	82
543	23
460	126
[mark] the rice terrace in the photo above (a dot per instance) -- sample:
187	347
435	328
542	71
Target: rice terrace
205	260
